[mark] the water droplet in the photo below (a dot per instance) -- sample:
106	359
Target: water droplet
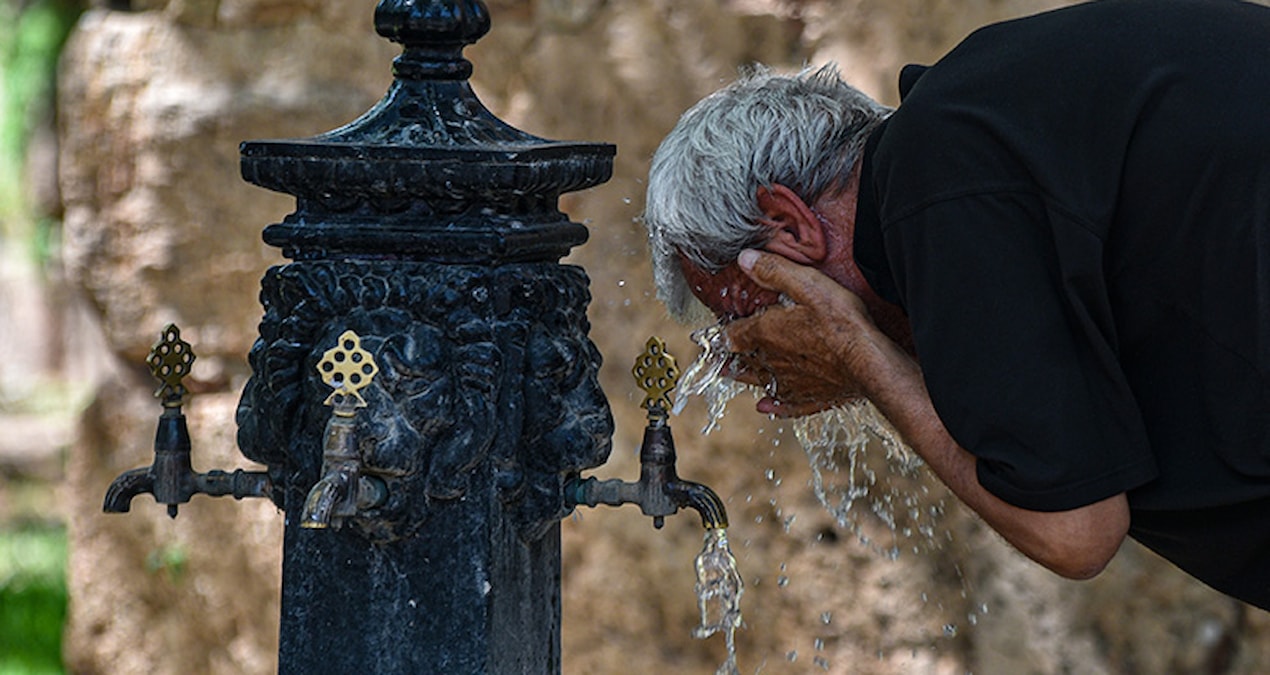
950	629
621	283
792	655
826	618
822	662
771	474
782	581
626	200
819	644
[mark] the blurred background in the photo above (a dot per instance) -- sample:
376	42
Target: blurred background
121	209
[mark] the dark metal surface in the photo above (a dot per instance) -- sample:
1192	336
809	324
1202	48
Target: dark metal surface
430	229
428	173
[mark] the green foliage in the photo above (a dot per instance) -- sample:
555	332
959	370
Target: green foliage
32	600
31	38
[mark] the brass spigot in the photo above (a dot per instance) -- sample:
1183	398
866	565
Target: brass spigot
659	491
171	478
343	490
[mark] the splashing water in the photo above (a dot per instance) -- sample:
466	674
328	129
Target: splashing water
856	456
719	589
847	448
708	376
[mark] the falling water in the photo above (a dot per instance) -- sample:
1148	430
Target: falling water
708	376
842	446
719	589
861	469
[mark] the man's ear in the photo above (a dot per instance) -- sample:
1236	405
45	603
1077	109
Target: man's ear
796	231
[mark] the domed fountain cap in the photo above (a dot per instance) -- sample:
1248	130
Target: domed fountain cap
429	172
431	30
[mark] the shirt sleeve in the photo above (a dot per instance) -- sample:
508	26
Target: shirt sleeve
1017	343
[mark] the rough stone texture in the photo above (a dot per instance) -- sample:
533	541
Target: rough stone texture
160	228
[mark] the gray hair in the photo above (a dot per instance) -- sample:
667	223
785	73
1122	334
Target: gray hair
803	131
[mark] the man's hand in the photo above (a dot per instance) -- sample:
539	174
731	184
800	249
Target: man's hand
813	351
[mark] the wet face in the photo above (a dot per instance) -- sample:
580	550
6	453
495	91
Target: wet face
729	293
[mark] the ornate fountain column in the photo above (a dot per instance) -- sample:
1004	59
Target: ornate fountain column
422	528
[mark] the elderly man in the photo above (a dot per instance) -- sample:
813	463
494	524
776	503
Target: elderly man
1066	223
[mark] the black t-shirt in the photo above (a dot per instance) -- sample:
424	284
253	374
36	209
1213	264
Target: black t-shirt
1074	210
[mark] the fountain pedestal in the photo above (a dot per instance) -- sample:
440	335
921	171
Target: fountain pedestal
431	229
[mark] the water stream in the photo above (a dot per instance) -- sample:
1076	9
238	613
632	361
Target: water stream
861	469
719	589
838	443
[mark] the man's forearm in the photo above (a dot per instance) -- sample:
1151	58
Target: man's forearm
824	348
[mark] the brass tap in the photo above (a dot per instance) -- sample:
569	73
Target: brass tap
343	490
659	491
171	478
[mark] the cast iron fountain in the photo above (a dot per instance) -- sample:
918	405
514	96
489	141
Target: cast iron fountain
423	394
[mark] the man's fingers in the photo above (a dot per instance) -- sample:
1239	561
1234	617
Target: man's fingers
747	335
784	410
778	273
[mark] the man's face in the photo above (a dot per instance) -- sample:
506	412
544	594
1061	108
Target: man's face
729	293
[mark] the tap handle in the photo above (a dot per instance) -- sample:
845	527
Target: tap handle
170	361
347	368
657	374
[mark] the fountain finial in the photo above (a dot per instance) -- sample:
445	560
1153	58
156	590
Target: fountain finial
434	33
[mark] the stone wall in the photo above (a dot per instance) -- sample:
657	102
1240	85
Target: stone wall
159	227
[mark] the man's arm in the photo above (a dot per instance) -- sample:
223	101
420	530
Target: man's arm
823	348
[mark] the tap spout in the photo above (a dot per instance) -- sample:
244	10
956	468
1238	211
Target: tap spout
659	492
338	495
129	484
343	490
171	478
328	498
701	499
